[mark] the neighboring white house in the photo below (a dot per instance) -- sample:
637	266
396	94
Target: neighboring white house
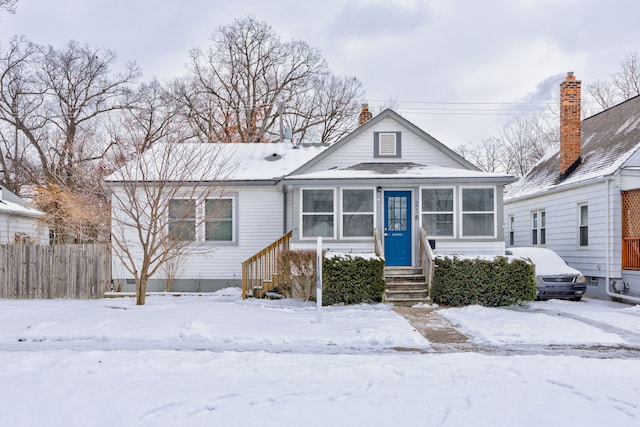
386	175
18	222
583	198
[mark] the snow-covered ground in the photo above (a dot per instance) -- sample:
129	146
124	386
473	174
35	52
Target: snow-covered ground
219	361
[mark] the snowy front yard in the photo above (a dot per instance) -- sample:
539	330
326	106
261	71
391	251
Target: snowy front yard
220	361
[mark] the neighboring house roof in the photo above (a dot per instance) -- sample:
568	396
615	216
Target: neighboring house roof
608	138
388	113
12	205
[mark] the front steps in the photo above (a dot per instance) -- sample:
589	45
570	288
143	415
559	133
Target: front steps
405	286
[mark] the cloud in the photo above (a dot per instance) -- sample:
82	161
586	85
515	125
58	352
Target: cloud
365	20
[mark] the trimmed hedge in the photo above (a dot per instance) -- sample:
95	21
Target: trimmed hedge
350	279
491	283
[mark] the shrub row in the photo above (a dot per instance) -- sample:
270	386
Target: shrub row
491	283
350	279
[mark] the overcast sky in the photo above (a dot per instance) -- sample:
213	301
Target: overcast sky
441	60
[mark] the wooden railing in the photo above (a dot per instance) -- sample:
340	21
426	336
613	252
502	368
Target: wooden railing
377	243
260	271
426	258
630	254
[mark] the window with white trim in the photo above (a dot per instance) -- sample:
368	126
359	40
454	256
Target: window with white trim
583	228
538	227
318	213
198	220
437	210
358	212
218	220
182	219
512	230
478	212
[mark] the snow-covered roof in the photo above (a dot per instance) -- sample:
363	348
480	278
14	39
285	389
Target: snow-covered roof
14	209
234	162
608	138
399	171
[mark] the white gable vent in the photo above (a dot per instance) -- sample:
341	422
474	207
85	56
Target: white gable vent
387	145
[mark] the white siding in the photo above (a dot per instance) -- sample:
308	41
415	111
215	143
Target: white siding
259	223
12	224
562	226
361	150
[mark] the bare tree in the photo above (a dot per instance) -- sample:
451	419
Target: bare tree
8	5
488	156
624	84
52	103
525	141
234	91
157	200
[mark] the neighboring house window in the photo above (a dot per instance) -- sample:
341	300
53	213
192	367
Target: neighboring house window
512	231
387	144
22	238
478	212
357	212
218	220
437	212
584	225
538	227
182	219
318	213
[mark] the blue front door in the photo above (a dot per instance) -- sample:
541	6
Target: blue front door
397	227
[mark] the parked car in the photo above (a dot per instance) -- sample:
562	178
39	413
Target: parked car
555	279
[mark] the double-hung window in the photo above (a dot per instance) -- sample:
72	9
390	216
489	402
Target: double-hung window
438	211
182	219
218	220
538	227
478	212
512	230
318	213
198	220
583	229
357	212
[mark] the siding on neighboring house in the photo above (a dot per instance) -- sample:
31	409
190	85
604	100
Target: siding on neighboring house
562	234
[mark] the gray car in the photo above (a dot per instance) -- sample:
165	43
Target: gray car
555	279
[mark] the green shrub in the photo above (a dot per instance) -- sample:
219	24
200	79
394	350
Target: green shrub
491	283
350	279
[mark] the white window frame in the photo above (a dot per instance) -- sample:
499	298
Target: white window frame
454	216
171	220
234	215
512	230
539	229
200	220
581	225
463	212
343	212
379	144
334	213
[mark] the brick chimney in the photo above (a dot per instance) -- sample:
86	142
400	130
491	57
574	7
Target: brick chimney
569	125
365	115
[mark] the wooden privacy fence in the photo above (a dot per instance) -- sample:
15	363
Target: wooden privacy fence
58	271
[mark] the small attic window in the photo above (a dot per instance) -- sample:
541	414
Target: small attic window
386	144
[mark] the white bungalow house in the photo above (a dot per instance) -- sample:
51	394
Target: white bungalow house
582	199
19	223
387	177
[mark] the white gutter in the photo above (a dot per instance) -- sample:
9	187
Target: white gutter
607	283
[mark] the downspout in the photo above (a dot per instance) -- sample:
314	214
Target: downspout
284	209
608	256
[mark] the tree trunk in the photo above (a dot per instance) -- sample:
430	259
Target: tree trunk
141	291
